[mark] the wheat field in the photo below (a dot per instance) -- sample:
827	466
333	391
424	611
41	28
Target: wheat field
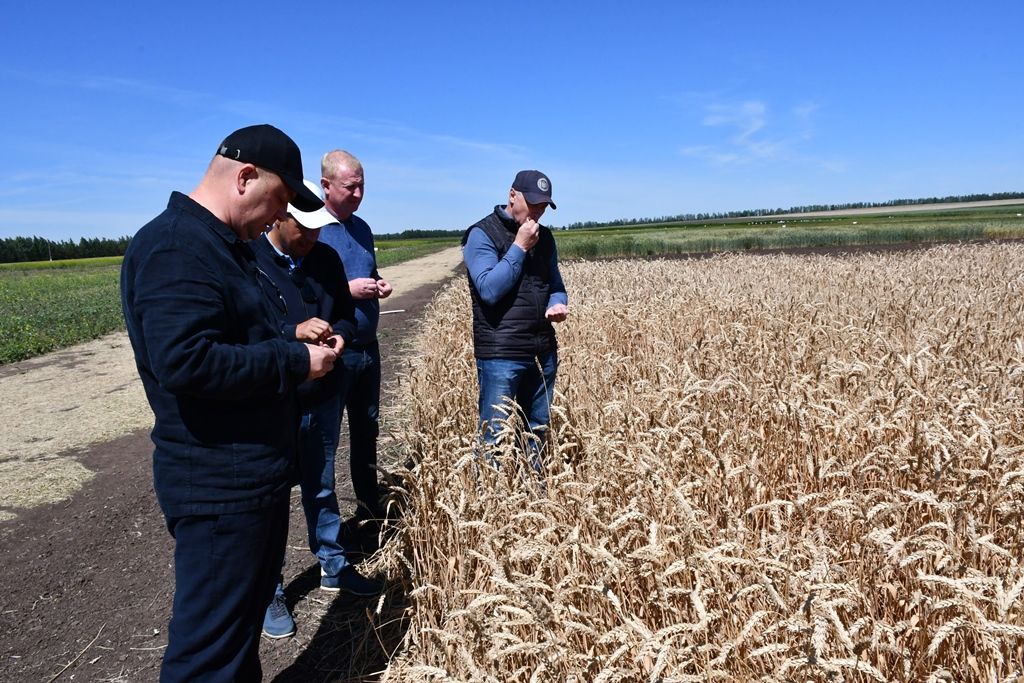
760	468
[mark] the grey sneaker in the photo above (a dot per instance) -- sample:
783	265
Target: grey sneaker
277	622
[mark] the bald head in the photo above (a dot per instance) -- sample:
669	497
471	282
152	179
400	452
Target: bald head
342	180
243	196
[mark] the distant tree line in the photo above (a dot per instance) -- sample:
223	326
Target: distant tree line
16	249
413	234
753	213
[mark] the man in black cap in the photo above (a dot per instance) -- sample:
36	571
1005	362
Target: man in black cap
517	292
204	322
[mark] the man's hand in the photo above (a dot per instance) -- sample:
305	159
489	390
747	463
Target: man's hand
321	360
313	330
529	233
557	313
363	288
368	288
335	342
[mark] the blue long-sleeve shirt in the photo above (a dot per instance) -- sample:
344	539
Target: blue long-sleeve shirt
494	277
353	241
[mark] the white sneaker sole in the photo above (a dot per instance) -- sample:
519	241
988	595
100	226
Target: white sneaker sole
278	637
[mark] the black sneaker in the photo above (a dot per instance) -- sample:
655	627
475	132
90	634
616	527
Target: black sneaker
351	581
359	538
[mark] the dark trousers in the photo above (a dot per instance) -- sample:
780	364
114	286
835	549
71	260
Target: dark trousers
362	404
225	569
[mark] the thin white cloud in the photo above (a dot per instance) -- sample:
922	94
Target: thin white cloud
113	84
804	112
54	187
500	149
137	88
746	144
747	118
398	134
838	166
752	133
711	154
368	132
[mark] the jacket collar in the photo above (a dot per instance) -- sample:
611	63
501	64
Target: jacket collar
185	203
506	219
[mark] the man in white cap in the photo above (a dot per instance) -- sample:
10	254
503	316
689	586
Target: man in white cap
318	308
221	382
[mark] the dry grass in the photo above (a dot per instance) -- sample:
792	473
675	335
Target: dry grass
761	469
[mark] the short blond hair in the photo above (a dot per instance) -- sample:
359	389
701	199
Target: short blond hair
332	162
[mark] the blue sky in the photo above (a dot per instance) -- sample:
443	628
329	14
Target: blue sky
634	109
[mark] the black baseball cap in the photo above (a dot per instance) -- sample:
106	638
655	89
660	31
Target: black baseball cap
535	186
265	146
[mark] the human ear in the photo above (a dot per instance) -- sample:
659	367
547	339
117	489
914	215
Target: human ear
246	174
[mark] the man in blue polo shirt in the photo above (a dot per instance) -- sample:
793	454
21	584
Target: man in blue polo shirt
351	237
517	292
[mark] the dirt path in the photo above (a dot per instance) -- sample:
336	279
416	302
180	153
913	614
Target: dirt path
87	562
91	393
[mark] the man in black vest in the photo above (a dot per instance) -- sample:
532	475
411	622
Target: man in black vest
517	292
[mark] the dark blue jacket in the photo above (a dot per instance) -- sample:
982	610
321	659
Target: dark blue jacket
219	377
317	289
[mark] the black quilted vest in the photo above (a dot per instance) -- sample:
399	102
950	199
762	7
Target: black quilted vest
515	326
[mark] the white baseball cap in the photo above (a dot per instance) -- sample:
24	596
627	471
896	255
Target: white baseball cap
312	220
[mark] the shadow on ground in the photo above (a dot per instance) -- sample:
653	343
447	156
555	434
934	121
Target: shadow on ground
354	639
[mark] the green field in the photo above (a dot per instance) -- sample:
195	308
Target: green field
390	252
772	233
67	263
52	304
47	308
48	305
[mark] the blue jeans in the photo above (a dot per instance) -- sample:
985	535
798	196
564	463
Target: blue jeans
362	402
225	567
318	443
530	382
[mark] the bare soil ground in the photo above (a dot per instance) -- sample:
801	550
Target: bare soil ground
87	560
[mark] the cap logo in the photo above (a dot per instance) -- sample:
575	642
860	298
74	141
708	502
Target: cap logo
224	152
543	185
